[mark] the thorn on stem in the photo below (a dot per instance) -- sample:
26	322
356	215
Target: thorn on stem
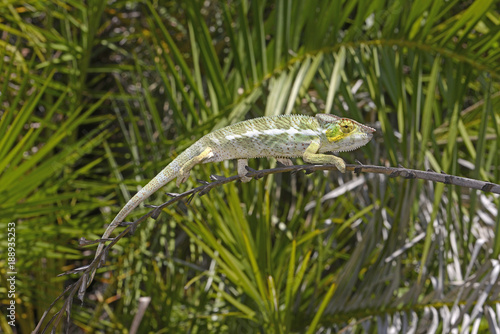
156	213
410	176
205	191
85	242
308	171
214	177
487	187
190	198
394	173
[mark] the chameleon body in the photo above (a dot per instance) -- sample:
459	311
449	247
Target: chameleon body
281	137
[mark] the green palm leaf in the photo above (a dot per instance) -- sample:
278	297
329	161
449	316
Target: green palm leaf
98	97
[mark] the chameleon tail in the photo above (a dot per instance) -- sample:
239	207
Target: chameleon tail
165	176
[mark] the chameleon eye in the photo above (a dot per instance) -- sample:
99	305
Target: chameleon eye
346	126
339	130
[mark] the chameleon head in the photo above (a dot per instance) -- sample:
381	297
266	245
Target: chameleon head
344	134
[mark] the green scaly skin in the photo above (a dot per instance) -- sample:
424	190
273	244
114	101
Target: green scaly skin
280	137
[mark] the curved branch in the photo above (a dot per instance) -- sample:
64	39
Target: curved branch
80	285
391	172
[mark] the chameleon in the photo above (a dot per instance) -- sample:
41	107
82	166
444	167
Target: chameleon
281	137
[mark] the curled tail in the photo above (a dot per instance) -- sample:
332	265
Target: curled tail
173	170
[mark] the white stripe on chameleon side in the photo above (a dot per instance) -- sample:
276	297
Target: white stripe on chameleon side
252	133
274	132
292	131
307	132
231	137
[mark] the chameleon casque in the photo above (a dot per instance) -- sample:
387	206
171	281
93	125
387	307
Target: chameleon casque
280	137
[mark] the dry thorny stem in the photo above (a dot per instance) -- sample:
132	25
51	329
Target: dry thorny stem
81	285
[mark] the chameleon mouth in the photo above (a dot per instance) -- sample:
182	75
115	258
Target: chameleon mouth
367	129
349	149
367	137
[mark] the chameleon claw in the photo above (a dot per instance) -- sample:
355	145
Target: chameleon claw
340	164
245	179
244	172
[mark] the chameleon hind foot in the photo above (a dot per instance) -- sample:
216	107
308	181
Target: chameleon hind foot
186	168
183	176
285	161
242	172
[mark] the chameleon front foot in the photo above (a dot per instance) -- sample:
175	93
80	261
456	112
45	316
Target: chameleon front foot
311	156
339	163
328	160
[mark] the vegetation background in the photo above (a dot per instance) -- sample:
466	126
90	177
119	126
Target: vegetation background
98	96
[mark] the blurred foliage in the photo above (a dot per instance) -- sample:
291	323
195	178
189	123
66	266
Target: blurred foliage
97	97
